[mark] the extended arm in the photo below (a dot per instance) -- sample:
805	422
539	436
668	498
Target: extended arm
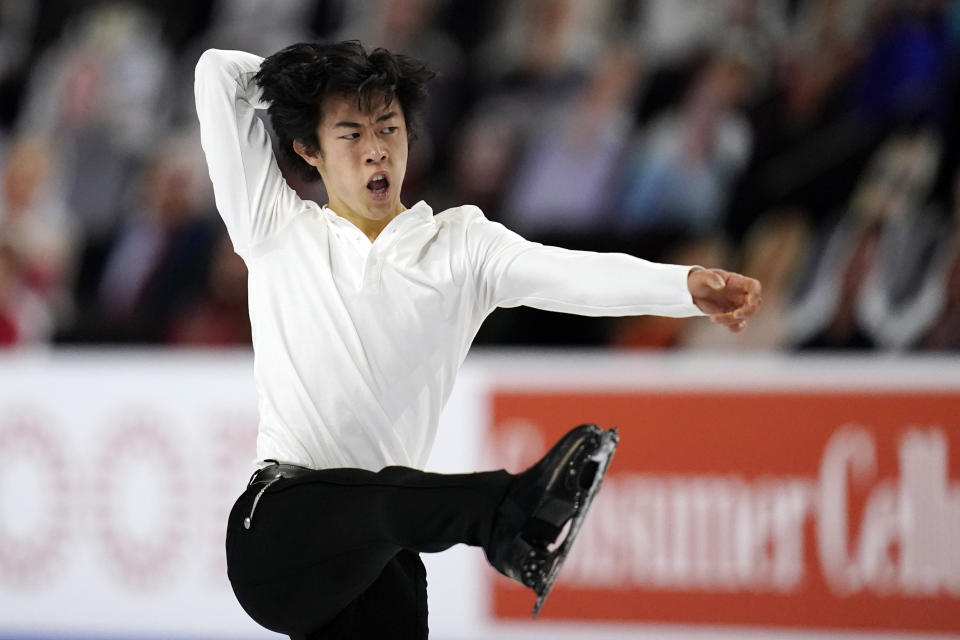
514	271
251	194
593	284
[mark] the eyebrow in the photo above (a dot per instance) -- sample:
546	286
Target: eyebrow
356	125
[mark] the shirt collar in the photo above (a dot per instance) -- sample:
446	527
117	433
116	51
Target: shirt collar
418	213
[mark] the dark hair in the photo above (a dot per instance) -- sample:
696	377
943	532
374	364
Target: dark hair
296	79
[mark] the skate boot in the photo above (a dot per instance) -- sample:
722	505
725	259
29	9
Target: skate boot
545	507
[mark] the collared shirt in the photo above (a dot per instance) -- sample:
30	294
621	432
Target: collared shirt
357	343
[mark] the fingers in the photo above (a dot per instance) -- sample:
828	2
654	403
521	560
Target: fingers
729	321
747	293
750	305
743	284
740	313
736	320
729	298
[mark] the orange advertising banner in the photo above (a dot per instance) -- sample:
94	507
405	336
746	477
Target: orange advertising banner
793	509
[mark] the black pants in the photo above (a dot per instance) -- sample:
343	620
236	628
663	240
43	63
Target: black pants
334	553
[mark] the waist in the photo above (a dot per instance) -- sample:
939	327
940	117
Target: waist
277	470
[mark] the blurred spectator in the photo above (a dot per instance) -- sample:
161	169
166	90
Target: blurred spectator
904	290
484	157
543	41
941	292
258	26
944	331
565	179
155	261
677	36
902	78
24	318
898	298
809	149
36	225
16	28
672	32
841	329
218	316
897	182
99	92
9	276
686	160
530	69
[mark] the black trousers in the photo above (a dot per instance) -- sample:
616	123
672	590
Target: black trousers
335	553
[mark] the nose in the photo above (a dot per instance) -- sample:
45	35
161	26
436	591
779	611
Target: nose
375	153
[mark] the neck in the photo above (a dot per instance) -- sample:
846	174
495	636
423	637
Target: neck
370	226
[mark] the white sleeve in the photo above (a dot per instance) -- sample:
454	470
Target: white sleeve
252	196
513	271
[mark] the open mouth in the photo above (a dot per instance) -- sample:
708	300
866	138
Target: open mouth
379	186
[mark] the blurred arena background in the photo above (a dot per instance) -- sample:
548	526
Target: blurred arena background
812	144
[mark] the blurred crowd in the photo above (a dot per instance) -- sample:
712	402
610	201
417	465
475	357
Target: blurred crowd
812	144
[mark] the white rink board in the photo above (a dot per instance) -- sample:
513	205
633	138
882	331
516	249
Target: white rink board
134	556
117	470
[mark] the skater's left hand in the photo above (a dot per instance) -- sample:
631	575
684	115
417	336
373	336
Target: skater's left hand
729	298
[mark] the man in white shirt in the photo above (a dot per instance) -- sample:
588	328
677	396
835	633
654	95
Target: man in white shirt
362	312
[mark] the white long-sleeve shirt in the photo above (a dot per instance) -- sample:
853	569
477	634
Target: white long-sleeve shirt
357	343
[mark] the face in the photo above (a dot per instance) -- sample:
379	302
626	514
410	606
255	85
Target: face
362	161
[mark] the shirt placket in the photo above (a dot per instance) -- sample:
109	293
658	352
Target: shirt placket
371	270
370	253
372	260
376	252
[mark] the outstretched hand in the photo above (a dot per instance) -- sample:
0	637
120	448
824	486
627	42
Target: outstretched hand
729	298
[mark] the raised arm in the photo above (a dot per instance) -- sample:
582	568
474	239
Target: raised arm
251	194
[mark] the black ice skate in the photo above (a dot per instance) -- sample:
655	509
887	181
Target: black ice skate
547	501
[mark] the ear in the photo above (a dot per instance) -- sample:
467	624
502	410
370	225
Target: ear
313	159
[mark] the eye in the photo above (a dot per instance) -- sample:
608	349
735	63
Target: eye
389	129
350	136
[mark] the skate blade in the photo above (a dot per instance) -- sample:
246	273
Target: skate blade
602	456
